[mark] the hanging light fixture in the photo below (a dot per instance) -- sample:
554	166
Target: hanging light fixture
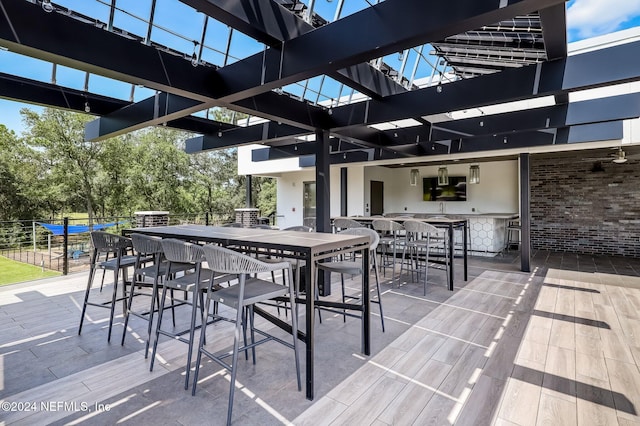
414	176
47	6
474	174
443	176
194	56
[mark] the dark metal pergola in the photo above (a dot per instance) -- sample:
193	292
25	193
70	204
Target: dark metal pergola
331	77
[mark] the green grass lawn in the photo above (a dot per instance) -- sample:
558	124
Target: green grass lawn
16	272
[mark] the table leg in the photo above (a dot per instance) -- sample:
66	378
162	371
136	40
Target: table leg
451	242
465	229
310	280
366	303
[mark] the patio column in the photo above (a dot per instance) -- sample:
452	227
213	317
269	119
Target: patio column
525	212
343	191
248	196
323	207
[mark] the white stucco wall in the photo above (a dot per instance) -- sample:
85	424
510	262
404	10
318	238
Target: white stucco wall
398	194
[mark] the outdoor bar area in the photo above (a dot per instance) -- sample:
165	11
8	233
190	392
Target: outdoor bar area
456	231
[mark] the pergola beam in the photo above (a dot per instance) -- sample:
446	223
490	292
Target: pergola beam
158	109
612	108
47	94
241	136
272	24
26	29
51	95
400	24
565	75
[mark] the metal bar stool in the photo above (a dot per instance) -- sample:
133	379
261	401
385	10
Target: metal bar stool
389	241
180	252
512	234
420	238
242	297
149	276
116	248
354	267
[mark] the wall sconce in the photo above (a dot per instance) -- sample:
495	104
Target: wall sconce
474	174
443	176
414	176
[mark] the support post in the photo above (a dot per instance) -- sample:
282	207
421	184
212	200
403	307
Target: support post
525	212
65	247
343	191
323	183
323	199
249	195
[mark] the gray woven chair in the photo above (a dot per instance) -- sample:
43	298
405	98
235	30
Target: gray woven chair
261	226
149	250
115	248
354	267
341	224
420	239
178	252
310	222
390	241
243	296
299	228
232	225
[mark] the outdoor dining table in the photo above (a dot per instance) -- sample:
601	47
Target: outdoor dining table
449	223
308	246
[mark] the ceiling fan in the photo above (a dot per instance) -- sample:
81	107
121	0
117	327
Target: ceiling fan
618	157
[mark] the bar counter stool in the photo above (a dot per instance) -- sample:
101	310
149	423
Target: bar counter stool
178	252
115	248
242	297
389	242
354	266
420	238
512	234
149	250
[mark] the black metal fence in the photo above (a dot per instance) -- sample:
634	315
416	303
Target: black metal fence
64	244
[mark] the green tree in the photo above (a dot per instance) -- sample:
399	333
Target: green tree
72	163
114	176
219	189
12	200
160	174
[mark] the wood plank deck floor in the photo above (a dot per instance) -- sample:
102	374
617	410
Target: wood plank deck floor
555	346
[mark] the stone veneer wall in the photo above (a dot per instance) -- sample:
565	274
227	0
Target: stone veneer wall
574	209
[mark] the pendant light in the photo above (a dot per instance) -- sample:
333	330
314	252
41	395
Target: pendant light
414	176
443	176
474	174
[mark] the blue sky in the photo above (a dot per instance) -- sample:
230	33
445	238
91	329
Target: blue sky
585	19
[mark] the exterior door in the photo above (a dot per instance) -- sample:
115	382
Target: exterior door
377	197
309	200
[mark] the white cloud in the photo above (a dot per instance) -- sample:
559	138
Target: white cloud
588	18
